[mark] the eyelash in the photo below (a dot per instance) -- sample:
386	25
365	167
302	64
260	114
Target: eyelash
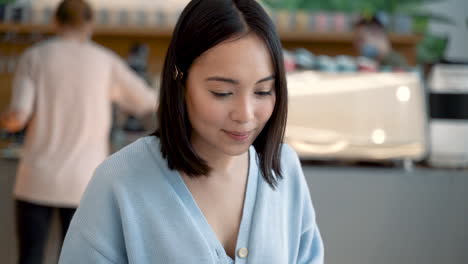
264	93
223	95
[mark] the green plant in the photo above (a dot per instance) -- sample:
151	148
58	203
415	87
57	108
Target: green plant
431	48
409	7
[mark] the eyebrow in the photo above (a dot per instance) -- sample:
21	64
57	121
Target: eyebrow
236	82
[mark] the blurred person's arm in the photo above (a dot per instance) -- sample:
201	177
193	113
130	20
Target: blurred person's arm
11	121
130	91
23	94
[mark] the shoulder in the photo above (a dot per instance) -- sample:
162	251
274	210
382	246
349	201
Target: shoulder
117	187
30	59
127	172
100	48
288	153
291	170
135	160
292	192
45	44
290	163
34	50
106	52
293	183
295	187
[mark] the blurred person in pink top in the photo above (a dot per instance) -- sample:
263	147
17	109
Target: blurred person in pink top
63	90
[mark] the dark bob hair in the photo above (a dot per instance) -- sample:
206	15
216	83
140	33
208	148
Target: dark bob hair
202	25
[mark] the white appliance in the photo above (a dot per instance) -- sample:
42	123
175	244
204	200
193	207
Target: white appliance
357	116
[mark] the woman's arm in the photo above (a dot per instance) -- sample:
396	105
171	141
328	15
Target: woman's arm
311	247
11	121
79	249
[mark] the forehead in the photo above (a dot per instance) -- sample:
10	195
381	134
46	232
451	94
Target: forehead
369	30
238	57
362	30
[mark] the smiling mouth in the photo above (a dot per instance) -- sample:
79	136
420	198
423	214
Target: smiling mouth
239	136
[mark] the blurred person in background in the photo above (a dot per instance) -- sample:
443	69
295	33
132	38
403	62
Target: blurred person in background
372	41
63	90
214	183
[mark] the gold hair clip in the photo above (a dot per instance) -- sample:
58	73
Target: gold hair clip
177	73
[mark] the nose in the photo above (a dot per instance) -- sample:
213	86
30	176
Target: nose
243	110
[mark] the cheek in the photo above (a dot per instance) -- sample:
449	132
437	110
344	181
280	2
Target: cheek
204	111
265	110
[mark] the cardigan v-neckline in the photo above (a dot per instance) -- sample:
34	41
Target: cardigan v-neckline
200	220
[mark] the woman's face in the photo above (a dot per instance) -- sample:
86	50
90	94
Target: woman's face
230	95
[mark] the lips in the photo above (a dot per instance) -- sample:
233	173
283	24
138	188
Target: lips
237	135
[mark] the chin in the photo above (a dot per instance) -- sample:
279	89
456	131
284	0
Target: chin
235	150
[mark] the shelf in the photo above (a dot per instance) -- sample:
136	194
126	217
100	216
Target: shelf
343	37
135	31
326	43
100	30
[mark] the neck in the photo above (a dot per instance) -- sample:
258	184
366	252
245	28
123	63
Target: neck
221	164
76	35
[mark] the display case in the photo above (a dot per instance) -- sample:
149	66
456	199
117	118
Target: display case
357	116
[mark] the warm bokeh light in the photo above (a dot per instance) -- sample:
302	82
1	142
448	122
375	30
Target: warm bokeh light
403	94
378	136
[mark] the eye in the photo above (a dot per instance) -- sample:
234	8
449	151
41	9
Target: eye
221	95
264	93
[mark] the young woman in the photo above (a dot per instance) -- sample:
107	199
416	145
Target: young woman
214	184
63	91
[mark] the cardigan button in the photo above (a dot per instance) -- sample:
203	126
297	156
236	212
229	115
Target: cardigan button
243	252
